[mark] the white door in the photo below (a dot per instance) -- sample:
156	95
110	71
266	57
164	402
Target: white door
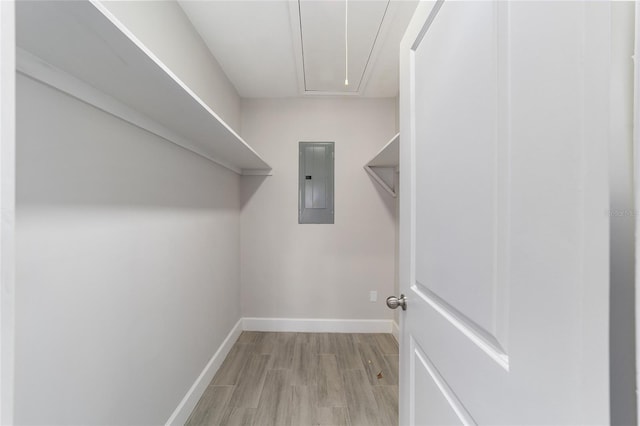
504	230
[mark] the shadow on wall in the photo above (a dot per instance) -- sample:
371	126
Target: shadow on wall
248	187
67	163
388	201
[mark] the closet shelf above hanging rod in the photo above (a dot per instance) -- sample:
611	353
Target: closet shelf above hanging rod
384	165
81	49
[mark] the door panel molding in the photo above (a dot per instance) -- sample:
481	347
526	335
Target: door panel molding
484	320
476	334
420	361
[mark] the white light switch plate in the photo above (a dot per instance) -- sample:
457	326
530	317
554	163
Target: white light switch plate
373	296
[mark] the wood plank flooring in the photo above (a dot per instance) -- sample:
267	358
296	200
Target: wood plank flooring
300	379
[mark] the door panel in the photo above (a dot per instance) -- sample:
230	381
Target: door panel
503	236
458	170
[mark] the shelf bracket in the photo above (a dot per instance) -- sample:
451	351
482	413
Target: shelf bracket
380	180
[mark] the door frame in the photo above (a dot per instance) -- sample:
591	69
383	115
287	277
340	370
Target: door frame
636	175
7	207
421	21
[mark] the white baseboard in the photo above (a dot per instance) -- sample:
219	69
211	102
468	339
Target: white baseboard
188	403
318	325
395	330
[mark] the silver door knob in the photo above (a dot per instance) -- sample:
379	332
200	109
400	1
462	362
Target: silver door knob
393	302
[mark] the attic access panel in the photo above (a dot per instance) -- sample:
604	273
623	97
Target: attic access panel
316	182
322	28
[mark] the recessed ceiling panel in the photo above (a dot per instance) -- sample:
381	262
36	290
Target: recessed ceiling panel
252	42
322	25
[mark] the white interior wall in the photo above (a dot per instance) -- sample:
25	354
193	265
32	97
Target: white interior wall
622	222
164	28
7	207
125	243
317	271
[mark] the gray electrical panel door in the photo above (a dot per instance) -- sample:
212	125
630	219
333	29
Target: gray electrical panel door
315	182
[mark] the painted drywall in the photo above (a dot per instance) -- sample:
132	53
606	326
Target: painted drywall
126	244
164	28
636	174
7	207
622	222
317	271
396	247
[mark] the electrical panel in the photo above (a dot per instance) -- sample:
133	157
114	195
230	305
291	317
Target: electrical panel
315	182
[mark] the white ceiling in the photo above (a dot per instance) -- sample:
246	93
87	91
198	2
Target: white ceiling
284	48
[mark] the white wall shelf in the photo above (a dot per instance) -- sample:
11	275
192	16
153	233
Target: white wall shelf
81	49
384	165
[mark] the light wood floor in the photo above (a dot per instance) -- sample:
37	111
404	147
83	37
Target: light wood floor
304	379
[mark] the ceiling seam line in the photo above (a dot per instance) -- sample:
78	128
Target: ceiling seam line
304	70
364	70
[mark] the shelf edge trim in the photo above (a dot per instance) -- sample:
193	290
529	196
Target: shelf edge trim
37	69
